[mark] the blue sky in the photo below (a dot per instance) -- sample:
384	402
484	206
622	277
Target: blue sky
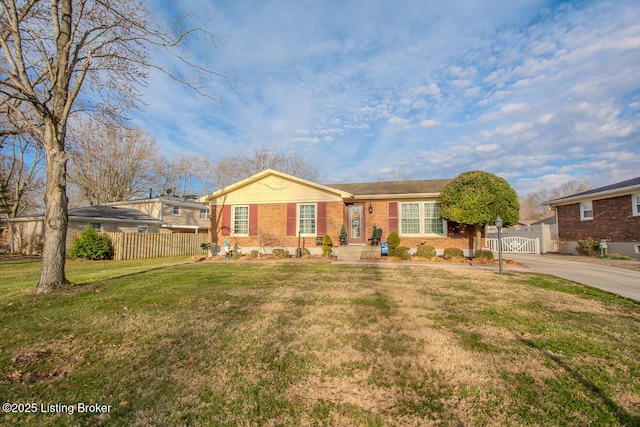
538	92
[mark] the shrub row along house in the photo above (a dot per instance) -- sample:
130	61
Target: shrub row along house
277	210
610	213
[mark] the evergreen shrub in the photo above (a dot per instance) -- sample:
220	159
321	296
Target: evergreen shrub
426	251
453	253
483	254
280	253
394	241
403	252
326	245
91	245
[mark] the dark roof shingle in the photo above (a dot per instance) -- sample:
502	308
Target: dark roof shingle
97	211
618	185
393	187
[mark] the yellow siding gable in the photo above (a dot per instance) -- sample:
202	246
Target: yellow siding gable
276	189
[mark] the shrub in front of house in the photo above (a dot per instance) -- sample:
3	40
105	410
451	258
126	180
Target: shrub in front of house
483	255
326	245
426	251
280	253
91	245
403	252
254	253
394	241
588	246
450	253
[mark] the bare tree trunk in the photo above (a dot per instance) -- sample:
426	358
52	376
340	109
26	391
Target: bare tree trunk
50	49
53	253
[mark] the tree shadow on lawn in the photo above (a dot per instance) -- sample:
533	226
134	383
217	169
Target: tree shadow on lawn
101	281
625	417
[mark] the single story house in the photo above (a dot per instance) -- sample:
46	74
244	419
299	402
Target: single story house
26	233
610	213
272	209
178	214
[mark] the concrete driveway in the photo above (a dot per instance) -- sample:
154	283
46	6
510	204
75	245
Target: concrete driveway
617	280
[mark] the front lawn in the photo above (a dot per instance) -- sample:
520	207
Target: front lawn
164	342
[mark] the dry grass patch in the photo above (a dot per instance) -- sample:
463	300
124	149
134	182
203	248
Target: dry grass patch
320	344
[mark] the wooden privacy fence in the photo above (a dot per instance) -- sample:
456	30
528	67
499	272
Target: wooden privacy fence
156	245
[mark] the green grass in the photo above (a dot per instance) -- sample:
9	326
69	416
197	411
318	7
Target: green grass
166	342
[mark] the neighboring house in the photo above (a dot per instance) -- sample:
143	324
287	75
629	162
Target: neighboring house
25	233
274	209
611	212
178	214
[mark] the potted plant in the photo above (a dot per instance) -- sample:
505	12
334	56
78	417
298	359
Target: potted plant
343	236
376	233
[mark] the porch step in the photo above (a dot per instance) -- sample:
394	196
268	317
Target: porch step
356	253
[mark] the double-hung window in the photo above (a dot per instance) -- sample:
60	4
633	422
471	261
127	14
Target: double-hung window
586	211
307	219
204	213
176	210
635	200
433	224
421	219
410	219
240	220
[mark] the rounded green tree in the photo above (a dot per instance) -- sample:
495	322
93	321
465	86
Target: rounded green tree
478	198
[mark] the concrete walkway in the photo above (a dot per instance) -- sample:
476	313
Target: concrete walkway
617	280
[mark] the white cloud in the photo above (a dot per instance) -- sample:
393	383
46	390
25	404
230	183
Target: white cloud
429	123
399	122
487	148
459	80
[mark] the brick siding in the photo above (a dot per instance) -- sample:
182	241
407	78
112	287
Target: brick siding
272	220
612	219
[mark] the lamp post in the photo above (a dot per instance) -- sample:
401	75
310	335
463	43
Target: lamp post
499	224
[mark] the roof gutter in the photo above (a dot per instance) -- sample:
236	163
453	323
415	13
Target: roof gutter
594	196
396	196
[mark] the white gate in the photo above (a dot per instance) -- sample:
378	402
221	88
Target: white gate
517	245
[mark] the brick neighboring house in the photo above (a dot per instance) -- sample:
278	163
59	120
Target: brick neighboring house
273	209
611	212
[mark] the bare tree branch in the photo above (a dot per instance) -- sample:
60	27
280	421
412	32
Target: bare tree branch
243	165
57	54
